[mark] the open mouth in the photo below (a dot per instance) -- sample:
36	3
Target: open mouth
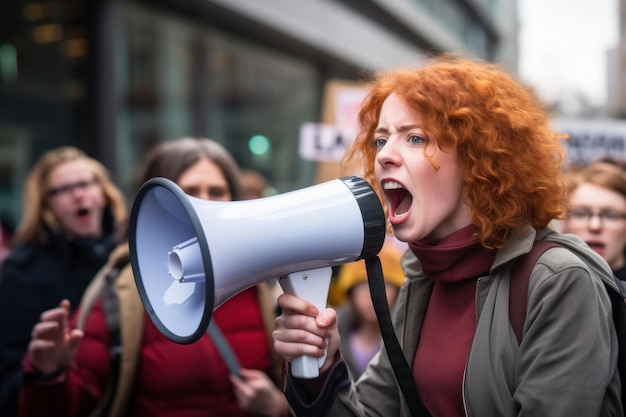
82	213
398	198
596	246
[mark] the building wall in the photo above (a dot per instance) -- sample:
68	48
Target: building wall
114	77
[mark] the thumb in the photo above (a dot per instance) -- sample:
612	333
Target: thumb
75	337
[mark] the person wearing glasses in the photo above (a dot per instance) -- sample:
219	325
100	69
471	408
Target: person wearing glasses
597	213
69	367
73	213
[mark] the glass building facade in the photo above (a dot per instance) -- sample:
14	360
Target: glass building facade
115	77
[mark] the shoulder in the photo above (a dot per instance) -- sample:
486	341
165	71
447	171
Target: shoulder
576	254
561	264
564	273
558	259
30	264
21	256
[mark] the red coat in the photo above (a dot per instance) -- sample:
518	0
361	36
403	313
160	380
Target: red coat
173	380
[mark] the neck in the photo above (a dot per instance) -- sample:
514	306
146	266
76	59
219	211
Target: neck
617	263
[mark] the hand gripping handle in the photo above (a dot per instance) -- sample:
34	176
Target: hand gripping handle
311	285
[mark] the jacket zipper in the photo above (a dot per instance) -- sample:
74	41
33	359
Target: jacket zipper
465	369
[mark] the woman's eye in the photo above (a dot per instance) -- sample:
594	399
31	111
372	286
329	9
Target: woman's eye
191	191
415	139
217	193
379	142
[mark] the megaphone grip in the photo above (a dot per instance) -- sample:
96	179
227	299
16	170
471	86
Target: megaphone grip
306	367
313	286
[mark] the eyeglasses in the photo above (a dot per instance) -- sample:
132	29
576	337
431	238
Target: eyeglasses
68	189
609	217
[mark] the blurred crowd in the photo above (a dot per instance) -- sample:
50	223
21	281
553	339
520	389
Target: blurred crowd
80	342
73	231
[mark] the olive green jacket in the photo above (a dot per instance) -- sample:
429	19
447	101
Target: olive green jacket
565	364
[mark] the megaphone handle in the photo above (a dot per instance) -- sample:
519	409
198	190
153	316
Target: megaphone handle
311	285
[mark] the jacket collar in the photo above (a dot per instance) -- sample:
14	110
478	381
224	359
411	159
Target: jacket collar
515	245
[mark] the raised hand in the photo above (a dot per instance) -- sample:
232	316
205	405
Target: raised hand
53	344
257	394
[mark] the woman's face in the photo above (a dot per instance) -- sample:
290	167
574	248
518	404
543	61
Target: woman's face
205	180
422	202
76	199
597	216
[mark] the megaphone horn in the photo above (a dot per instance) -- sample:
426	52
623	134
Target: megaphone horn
190	255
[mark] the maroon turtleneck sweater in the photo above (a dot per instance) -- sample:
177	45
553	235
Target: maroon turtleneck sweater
454	264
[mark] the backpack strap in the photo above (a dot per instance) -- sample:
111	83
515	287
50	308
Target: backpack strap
518	290
132	319
94	290
111	307
115	285
111	312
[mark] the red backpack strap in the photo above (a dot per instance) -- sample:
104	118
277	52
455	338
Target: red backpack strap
518	291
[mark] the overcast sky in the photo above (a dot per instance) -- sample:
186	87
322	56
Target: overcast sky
563	45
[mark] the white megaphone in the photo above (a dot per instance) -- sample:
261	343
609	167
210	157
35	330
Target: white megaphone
190	255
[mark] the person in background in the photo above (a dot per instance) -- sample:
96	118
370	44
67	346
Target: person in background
254	185
73	214
472	174
69	368
619	162
597	213
357	320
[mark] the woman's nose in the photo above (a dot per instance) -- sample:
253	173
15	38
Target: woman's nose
204	195
595	222
388	154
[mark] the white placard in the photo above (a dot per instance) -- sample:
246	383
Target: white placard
593	139
323	142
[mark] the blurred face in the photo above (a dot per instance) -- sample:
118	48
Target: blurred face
362	300
205	180
422	202
76	199
597	215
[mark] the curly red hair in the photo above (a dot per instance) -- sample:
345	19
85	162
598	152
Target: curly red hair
510	159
